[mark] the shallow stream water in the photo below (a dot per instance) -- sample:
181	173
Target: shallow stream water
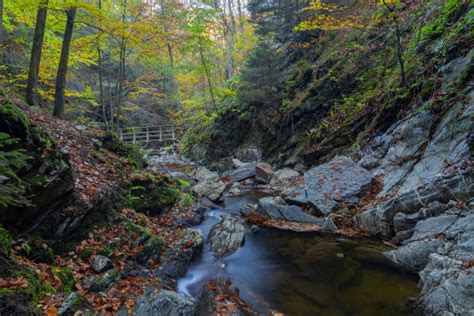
304	273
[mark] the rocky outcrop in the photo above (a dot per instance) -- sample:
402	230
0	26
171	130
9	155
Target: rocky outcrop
340	181
163	302
227	236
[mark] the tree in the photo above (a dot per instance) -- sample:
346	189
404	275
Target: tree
35	58
328	17
63	61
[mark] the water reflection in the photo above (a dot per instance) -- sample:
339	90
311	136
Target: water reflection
306	274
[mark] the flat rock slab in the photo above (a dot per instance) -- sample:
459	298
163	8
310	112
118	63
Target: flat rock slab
211	188
290	213
339	181
264	173
245	172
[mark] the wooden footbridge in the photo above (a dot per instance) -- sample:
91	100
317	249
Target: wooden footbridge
146	135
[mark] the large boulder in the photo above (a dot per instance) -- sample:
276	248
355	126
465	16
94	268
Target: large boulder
264	173
202	173
244	172
163	302
340	181
211	188
227	236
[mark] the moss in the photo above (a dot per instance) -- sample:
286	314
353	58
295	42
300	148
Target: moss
151	250
67	279
106	251
105	281
5	242
133	154
86	253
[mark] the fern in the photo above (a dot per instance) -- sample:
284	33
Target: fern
12	188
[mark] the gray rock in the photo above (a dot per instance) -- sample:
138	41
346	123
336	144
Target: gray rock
166	303
414	256
283	175
272	200
236	163
72	303
245	172
101	263
328	226
290	213
339	181
211	188
105	281
227	236
264	172
201	174
150	250
248	208
235	189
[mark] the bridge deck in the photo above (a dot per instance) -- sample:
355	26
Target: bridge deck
144	135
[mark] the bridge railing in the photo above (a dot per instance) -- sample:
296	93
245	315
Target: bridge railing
148	134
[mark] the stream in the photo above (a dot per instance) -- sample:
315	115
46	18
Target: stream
303	273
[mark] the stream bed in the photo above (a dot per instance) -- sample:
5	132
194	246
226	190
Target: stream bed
304	273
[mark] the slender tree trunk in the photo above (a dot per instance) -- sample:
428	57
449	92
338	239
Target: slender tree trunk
174	85
208	75
2	36
230	48
241	18
62	68
121	72
35	58
101	81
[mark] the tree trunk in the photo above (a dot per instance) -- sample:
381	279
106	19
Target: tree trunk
62	68
101	81
208	75
241	18
174	85
230	48
2	33
35	58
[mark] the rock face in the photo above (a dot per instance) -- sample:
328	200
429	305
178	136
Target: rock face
163	302
101	263
339	181
227	236
264	173
290	213
211	188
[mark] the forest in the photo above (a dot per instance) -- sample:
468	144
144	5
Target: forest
236	157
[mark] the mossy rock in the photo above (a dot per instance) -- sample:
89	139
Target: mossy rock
151	195
105	281
67	279
113	143
73	303
150	250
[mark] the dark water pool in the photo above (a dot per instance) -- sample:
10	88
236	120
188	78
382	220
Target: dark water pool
306	274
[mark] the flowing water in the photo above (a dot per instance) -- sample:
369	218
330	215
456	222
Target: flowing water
304	273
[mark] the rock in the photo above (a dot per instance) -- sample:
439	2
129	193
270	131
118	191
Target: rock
227	236
248	208
164	302
216	295
101	263
73	303
202	174
339	181
211	188
441	189
295	195
176	259
235	189
150	250
249	155
236	163
290	213
414	256
105	281
328	226
206	203
244	172
264	173
283	175
272	200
